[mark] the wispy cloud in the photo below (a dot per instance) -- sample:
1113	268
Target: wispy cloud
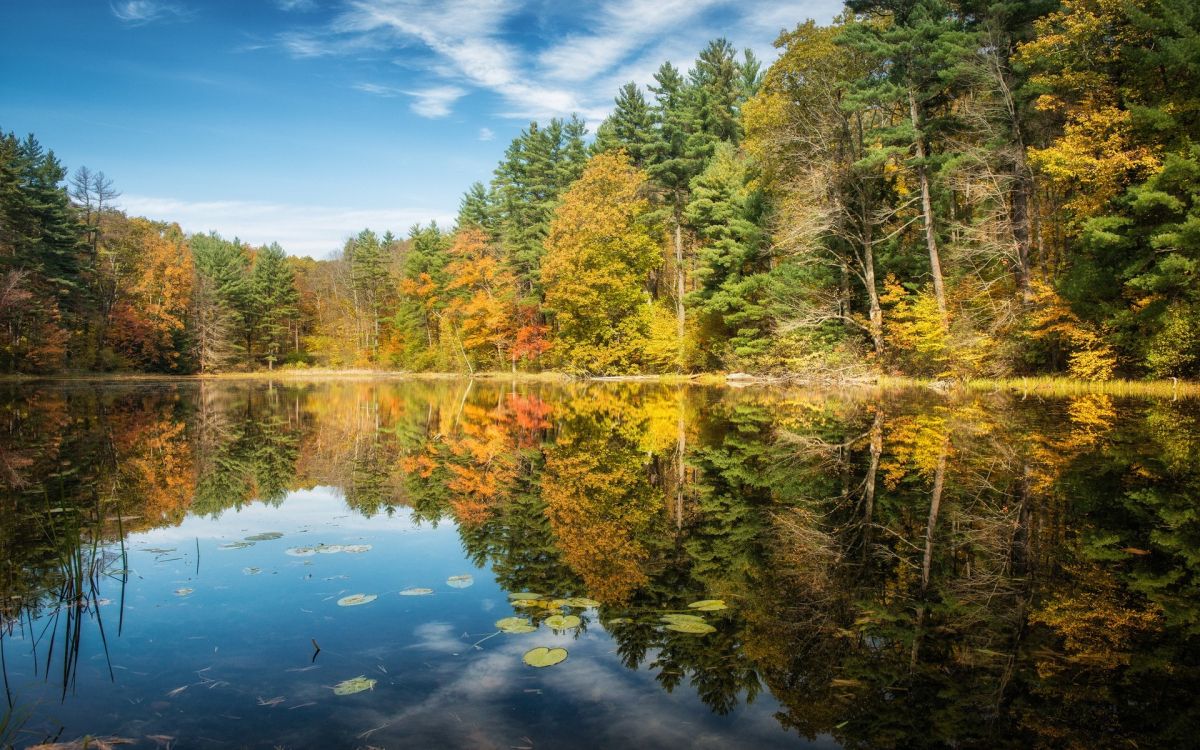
142	12
486	134
472	44
432	102
301	6
319	231
435	102
374	89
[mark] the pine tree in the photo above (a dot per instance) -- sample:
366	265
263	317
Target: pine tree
476	209
727	214
923	49
275	291
629	127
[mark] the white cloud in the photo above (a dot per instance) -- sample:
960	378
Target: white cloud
319	231
621	28
301	6
376	90
486	134
469	44
141	12
435	102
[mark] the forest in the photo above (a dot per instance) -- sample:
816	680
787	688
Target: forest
930	188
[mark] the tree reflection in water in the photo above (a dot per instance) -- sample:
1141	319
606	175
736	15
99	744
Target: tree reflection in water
903	568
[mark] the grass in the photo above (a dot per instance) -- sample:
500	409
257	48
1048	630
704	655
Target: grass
1046	386
1041	385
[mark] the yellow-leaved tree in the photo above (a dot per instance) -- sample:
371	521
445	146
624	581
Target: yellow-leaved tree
599	253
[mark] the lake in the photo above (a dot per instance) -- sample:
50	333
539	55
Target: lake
373	563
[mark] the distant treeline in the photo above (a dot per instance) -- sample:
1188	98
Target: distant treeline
927	187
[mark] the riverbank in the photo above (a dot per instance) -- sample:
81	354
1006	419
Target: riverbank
1034	386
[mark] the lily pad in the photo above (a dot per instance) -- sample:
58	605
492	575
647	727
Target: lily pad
582	602
696	628
460	582
354	685
619	621
266	536
183	592
524	596
515	625
356	549
682	618
544	657
416	592
330	549
236	545
709	605
526	603
555	604
356	599
562	622
300	551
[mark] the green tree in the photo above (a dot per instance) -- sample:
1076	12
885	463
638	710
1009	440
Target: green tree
630	127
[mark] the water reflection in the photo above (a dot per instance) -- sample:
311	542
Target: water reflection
904	569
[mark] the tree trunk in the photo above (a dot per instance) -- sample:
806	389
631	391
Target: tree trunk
679	312
935	261
874	310
1019	216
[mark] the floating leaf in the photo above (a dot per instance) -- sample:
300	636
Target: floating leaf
583	602
183	592
300	551
416	592
524	596
460	582
619	621
563	622
544	657
251	571
526	603
266	536
682	618
236	545
709	605
555	604
354	685
356	549
330	549
356	599
697	628
515	625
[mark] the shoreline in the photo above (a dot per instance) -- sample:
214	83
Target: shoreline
1034	385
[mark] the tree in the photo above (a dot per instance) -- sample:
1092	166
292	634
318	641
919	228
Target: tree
149	320
922	51
727	214
221	302
275	292
599	252
630	127
477	209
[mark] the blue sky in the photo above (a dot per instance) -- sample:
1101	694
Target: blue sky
303	121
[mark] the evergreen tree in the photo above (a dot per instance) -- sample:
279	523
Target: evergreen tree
274	286
727	215
923	51
476	209
629	127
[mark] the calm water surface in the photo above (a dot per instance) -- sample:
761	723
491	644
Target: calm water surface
899	569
